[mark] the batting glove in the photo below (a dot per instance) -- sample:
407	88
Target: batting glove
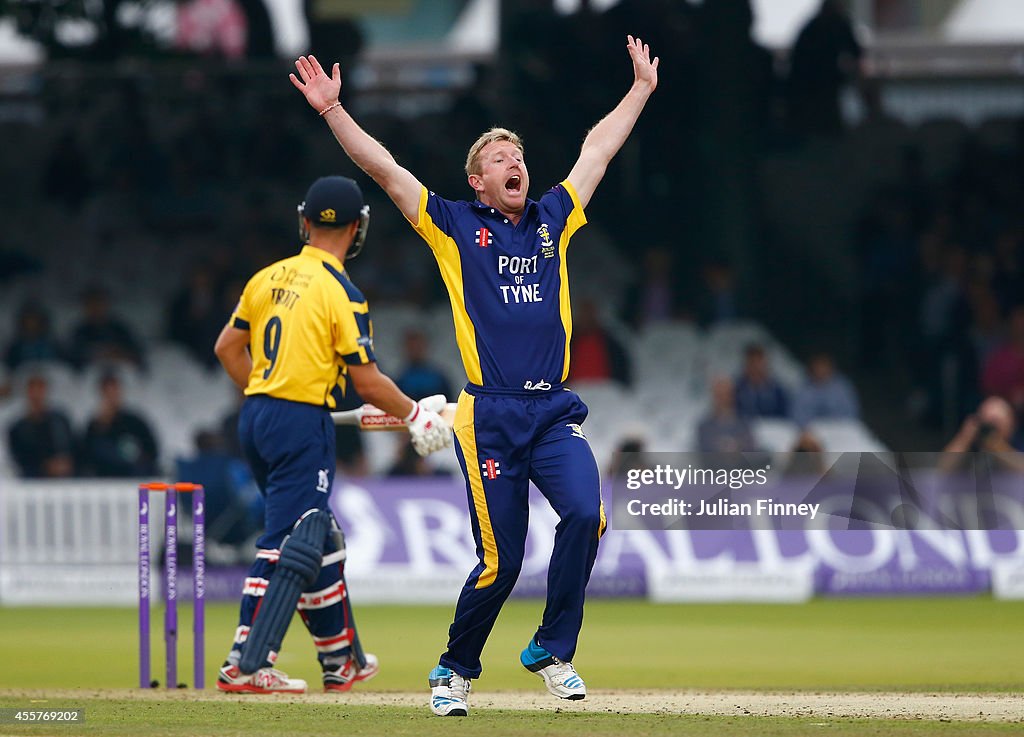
434	403
428	430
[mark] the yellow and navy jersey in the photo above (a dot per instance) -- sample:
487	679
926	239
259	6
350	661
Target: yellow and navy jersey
508	284
306	322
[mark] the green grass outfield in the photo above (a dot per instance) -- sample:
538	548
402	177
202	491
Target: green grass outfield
879	645
129	718
962	644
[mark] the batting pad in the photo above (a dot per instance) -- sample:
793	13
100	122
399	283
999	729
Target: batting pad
297	568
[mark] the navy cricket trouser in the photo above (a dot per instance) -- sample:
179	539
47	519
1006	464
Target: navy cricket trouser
290	448
504	440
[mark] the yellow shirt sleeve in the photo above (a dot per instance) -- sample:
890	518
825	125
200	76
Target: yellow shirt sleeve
240	318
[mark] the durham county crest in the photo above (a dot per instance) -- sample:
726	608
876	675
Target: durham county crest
547	247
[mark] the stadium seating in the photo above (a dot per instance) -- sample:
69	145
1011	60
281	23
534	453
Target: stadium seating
673	363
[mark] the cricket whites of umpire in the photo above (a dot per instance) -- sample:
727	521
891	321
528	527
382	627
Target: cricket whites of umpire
300	337
502	257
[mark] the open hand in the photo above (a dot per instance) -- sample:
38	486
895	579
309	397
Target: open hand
644	70
318	89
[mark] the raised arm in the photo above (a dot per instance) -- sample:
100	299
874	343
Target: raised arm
606	138
321	92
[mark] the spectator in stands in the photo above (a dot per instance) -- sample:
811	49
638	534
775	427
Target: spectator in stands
986	333
596	354
989	430
411	463
887	243
33	338
1003	372
827	394
943	303
719	302
228	428
981	335
350	452
942	330
631	452
117	443
42	442
195	316
101	337
825	57
234	507
723	431
215	28
420	378
655	297
807	457
758	393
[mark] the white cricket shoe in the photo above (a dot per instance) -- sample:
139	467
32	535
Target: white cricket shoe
345	676
263	681
449	693
560	677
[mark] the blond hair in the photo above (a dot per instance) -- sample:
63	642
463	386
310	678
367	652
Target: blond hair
494	134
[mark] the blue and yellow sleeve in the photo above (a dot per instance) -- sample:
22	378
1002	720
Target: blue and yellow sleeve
434	220
576	218
562	198
353	334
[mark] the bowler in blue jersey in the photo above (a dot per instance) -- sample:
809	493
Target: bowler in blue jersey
502	257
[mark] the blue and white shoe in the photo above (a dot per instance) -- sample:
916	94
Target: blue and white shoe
561	678
449	693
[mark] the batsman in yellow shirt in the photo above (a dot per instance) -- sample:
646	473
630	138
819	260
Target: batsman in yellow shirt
299	338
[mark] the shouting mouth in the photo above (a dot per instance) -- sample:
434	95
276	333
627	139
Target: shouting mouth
514	183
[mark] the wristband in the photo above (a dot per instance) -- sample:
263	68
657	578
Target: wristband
329	108
414	414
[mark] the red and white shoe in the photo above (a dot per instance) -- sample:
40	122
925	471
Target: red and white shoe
263	681
342	678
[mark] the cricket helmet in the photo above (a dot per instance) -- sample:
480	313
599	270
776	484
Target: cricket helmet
335	202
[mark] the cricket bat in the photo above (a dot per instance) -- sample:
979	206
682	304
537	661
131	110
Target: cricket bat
371	418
